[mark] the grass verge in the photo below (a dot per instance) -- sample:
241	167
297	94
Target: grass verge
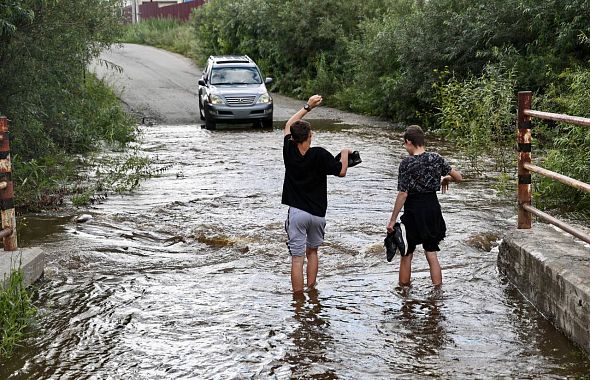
172	35
16	313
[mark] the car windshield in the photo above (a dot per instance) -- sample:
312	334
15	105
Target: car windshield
235	75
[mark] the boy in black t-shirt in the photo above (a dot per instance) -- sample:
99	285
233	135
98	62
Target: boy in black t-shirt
305	192
421	175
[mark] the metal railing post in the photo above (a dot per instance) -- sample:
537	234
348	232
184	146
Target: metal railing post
8	232
525	167
523	140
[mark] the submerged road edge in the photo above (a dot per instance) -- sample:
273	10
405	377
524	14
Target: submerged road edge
552	270
30	260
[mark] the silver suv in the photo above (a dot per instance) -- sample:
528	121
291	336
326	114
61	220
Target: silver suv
232	90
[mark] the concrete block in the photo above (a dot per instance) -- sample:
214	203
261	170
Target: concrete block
30	260
552	270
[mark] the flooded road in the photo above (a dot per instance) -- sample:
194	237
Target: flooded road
188	278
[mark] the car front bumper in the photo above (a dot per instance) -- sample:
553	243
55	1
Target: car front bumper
231	113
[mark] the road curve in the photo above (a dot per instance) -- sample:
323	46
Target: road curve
161	87
153	83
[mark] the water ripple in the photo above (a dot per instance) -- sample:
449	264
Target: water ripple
188	278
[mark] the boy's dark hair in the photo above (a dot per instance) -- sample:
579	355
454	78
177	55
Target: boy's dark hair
300	131
415	135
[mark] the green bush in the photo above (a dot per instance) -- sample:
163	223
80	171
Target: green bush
569	150
42	183
48	171
121	173
478	114
43	81
302	45
16	312
56	109
101	117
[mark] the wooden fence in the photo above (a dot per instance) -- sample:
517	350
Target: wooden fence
180	11
525	167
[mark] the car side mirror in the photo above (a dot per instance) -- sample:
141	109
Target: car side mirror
201	82
268	80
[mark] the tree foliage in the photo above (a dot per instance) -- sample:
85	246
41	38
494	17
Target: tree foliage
292	40
416	40
383	56
568	151
44	90
465	116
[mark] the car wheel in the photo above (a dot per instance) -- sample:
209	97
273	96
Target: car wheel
210	125
267	123
209	121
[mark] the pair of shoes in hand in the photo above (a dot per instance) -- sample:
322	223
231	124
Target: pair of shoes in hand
394	242
353	159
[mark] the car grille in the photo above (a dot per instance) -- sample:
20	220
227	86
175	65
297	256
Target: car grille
240	100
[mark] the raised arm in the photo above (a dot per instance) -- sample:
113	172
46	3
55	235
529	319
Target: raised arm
344	160
313	102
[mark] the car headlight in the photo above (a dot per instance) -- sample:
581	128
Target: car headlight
215	99
264	98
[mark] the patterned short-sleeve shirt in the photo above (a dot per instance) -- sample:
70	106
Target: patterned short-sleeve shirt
422	173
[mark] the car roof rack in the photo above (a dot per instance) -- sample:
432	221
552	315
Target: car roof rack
231	59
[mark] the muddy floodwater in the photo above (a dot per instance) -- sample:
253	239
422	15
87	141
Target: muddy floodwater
188	277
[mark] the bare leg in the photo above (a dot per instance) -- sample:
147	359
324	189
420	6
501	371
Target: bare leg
312	266
435	271
297	273
405	270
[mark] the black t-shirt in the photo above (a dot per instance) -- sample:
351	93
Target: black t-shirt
305	184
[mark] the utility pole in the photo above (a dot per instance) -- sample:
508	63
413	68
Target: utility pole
134	11
137	12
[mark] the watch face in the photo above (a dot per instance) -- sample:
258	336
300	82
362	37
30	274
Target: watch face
306	107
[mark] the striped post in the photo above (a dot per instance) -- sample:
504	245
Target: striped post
523	139
8	232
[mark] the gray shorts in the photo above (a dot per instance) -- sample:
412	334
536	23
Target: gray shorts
304	230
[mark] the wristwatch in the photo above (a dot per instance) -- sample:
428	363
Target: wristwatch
307	107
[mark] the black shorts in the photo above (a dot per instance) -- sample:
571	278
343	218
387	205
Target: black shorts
423	221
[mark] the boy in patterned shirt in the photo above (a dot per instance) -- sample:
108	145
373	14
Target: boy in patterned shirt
421	175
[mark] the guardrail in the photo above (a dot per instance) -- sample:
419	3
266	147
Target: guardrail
8	232
525	166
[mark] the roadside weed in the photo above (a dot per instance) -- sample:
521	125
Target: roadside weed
16	312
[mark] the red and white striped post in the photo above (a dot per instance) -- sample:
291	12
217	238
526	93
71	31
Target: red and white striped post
8	232
523	139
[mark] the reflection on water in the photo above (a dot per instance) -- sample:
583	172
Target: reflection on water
423	321
311	339
188	277
415	331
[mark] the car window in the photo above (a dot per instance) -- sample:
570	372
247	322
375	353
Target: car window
235	75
